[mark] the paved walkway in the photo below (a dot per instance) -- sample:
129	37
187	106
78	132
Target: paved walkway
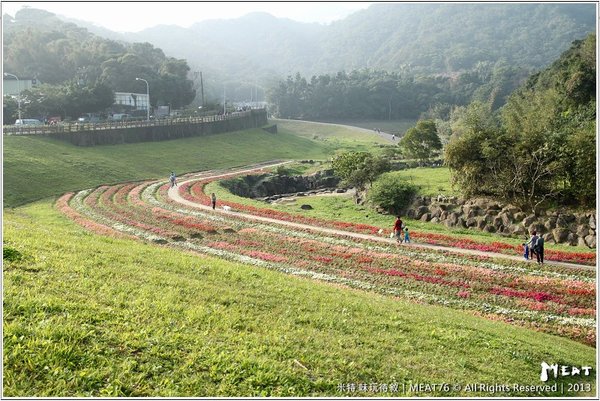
173	193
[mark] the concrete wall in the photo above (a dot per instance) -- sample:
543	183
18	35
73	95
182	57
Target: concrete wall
113	136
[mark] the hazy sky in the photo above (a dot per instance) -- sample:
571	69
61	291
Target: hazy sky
135	16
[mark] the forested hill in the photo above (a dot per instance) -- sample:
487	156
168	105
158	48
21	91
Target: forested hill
38	44
429	38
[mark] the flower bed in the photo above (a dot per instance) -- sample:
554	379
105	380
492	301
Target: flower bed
554	299
194	192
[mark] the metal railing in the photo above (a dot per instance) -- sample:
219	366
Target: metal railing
107	125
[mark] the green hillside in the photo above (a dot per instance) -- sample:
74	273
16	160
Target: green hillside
36	167
87	315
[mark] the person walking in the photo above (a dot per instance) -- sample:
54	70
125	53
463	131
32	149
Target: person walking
532	243
213	200
526	249
539	250
406	236
173	179
398	230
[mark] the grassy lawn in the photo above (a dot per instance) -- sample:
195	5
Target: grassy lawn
337	136
432	181
86	315
36	167
395	126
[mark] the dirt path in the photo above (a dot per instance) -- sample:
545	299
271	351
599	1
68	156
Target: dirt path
384	135
174	195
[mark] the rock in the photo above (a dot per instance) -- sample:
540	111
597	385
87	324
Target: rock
590	241
497	222
443	215
572	239
527	221
507	218
560	235
517	229
435	220
340	190
471	222
435	210
548	237
550	223
511	209
581	219
581	241
460	222
537	227
306	207
481	222
420	211
592	222
582	230
519	216
426	217
565	219
489	229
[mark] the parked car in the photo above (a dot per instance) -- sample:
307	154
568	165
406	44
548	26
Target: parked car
120	117
28	121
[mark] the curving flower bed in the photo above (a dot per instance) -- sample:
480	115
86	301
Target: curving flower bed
194	191
553	299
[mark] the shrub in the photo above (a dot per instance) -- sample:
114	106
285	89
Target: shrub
11	254
392	193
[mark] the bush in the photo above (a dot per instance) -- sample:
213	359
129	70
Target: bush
392	193
11	254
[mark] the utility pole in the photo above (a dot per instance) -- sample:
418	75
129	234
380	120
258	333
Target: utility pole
202	89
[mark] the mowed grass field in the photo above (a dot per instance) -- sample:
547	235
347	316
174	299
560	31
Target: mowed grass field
88	315
36	167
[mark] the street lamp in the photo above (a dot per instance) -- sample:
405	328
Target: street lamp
148	96
6	74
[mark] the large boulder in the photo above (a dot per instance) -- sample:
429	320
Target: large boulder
560	235
517	229
537	227
582	230
581	241
426	217
489	228
471	222
420	211
481	222
590	241
548	237
527	221
572	239
550	223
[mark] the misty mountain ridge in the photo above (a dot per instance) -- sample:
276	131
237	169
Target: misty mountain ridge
424	38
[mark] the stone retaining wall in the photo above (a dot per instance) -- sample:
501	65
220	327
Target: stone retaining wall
487	215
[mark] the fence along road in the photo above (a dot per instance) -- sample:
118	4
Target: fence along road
75	127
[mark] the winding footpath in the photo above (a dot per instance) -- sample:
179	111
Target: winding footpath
174	194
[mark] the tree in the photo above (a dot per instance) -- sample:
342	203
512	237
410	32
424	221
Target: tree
422	141
359	168
392	193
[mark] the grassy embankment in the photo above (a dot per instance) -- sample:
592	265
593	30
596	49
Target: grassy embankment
36	167
87	315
